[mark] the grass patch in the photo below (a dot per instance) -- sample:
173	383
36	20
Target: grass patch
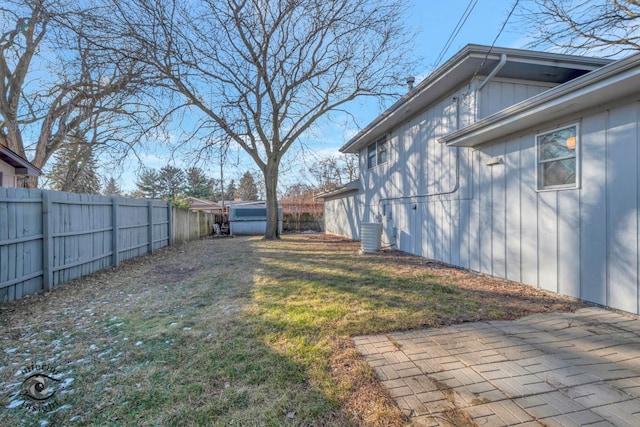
238	332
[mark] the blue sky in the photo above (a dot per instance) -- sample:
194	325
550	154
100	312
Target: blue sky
434	21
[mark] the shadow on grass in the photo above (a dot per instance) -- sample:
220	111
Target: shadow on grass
248	337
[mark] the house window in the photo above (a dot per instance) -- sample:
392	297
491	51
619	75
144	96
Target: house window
557	156
377	152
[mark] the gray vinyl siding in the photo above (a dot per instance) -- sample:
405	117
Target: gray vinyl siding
342	214
499	94
579	242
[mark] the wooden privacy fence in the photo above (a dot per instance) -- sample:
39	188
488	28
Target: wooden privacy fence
188	225
50	237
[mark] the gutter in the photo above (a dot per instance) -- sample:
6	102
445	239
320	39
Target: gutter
620	70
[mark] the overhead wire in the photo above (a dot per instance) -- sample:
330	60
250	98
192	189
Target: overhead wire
456	30
504	24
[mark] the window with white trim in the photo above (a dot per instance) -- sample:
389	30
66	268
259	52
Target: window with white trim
377	152
557	158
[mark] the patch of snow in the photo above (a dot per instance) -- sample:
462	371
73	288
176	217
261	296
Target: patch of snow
174	324
44	423
138	343
66	382
61	408
75	418
11	350
93	347
14	404
186	329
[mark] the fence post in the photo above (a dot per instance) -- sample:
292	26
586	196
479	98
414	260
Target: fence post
170	225
150	219
47	241
115	243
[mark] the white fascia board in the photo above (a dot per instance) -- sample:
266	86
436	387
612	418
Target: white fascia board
615	81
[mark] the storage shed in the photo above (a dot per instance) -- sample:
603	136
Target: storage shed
250	218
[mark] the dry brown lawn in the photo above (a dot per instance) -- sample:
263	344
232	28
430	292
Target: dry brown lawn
237	331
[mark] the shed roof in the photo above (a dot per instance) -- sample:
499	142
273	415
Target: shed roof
475	60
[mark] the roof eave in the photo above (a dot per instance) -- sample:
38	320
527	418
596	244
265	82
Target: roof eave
404	108
598	87
22	166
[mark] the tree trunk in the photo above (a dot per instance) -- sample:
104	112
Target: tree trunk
271	186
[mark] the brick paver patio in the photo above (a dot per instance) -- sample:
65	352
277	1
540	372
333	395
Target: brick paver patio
559	369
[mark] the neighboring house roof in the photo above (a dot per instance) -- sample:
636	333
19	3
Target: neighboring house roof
22	166
607	84
201	204
347	188
471	61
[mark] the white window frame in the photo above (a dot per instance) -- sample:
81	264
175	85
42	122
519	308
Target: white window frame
539	163
378	148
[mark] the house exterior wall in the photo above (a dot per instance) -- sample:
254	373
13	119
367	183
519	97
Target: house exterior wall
8	175
448	204
579	242
343	214
499	94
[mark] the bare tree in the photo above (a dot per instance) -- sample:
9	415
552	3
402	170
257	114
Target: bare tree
605	26
263	72
58	88
331	172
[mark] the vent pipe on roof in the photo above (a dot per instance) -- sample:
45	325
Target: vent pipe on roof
410	81
503	60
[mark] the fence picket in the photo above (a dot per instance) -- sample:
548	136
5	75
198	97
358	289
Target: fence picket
49	237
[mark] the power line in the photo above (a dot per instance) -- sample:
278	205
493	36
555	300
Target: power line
504	24
456	30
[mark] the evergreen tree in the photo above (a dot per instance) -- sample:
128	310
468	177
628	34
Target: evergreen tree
112	188
247	189
171	182
148	184
75	170
230	191
198	184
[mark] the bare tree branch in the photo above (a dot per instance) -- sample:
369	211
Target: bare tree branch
264	72
57	87
607	27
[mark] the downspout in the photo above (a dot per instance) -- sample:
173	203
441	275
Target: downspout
492	74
